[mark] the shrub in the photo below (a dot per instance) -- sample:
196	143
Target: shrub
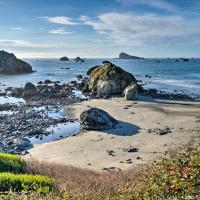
25	182
11	163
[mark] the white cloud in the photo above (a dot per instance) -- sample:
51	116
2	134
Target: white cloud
28	44
60	31
17	28
60	20
16	43
138	29
159	4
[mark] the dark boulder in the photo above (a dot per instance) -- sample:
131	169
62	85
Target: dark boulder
29	90
48	82
29	86
96	119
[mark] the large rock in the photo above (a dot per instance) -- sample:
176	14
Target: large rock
9	64
108	79
123	55
96	119
131	92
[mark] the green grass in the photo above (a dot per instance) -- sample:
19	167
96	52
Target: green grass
11	163
25	182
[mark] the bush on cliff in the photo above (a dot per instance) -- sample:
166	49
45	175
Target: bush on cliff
11	163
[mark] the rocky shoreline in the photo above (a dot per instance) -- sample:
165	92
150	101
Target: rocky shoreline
44	102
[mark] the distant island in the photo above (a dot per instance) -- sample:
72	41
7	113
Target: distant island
64	58
123	55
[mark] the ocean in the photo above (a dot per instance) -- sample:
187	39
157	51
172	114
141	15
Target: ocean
166	75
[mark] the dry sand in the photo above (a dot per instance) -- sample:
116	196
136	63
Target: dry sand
89	150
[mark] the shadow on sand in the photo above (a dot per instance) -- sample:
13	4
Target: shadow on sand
123	129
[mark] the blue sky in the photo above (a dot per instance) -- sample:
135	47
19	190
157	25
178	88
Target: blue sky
100	28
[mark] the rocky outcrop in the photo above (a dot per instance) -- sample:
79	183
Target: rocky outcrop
78	59
9	64
109	79
96	119
64	58
123	55
131	92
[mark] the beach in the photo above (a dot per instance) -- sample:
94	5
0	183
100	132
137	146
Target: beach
149	126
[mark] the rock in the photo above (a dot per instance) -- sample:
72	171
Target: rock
130	149
185	60
96	119
127	56
79	76
9	64
110	152
29	86
106	62
91	69
64	58
17	92
29	90
78	59
40	83
22	144
109	79
48	82
131	92
159	131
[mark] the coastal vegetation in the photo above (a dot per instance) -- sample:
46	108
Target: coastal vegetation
177	177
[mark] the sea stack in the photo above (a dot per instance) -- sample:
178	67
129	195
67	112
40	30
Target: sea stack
78	59
123	55
9	64
64	58
109	79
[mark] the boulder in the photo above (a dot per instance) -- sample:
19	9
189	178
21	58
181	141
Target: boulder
131	92
109	79
29	90
48	82
96	119
17	92
64	58
79	76
29	86
9	64
123	55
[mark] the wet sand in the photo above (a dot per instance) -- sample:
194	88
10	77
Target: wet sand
90	149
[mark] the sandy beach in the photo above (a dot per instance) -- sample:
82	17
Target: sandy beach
138	122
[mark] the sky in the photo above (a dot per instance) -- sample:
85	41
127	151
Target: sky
100	28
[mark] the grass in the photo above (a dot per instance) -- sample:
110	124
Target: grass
175	178
11	163
25	182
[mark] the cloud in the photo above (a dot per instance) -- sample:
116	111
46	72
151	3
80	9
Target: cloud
159	4
28	44
17	28
16	43
60	20
61	31
138	29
